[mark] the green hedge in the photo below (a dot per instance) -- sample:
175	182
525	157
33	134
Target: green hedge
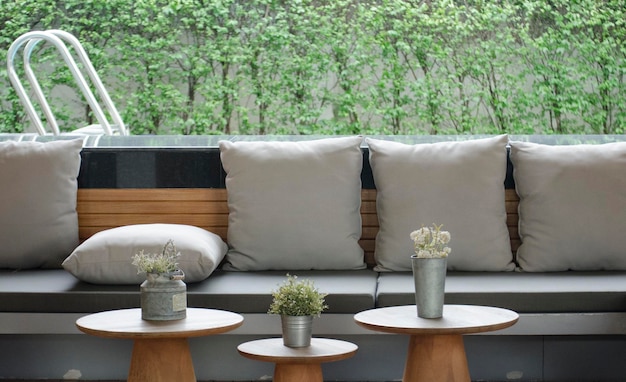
337	66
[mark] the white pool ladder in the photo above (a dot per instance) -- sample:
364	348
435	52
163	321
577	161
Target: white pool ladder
58	39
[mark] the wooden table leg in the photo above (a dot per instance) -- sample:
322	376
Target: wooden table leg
301	372
161	360
436	358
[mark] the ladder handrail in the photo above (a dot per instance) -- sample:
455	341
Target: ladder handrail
95	78
43	102
78	76
56	38
17	84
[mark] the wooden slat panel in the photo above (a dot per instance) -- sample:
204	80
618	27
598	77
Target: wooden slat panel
369	232
511	220
513	232
368	207
169	194
98	220
369	220
161	207
86	232
368	195
511	195
369	259
101	209
511	206
515	244
367	245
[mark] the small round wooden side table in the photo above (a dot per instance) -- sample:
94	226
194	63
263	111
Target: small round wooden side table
297	364
436	351
160	348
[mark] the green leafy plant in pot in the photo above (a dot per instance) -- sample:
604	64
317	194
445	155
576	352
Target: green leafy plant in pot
163	293
297	302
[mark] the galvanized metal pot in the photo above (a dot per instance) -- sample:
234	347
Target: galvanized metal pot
164	297
297	330
429	276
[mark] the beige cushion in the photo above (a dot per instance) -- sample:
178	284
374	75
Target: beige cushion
457	184
572	206
294	205
106	257
38	219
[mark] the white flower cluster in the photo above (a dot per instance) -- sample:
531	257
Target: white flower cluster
164	262
431	242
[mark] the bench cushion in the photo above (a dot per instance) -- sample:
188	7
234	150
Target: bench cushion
250	292
57	291
106	257
558	292
457	184
294	205
38	223
571	209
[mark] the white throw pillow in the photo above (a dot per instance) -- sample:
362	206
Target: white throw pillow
106	257
294	205
457	184
38	186
571	209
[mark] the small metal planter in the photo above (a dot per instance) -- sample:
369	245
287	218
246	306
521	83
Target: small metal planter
164	297
297	330
429	276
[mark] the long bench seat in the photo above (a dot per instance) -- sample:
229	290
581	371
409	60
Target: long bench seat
543	293
57	291
563	315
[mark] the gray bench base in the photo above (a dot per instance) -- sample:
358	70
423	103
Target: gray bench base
41	307
380	358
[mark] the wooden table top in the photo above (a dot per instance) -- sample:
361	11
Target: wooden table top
457	319
127	323
321	350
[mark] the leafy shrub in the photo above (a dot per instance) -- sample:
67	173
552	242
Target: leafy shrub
338	67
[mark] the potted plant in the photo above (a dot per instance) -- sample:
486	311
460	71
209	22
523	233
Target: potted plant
163	293
429	263
297	302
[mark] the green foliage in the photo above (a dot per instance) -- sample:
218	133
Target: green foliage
16	18
297	298
336	67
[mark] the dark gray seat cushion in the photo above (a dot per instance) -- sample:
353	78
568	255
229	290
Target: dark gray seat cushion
57	291
350	291
559	292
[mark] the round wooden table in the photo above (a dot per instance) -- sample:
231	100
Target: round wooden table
297	364
160	349
436	350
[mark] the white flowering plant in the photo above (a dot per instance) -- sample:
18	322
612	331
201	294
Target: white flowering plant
164	262
431	242
297	298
